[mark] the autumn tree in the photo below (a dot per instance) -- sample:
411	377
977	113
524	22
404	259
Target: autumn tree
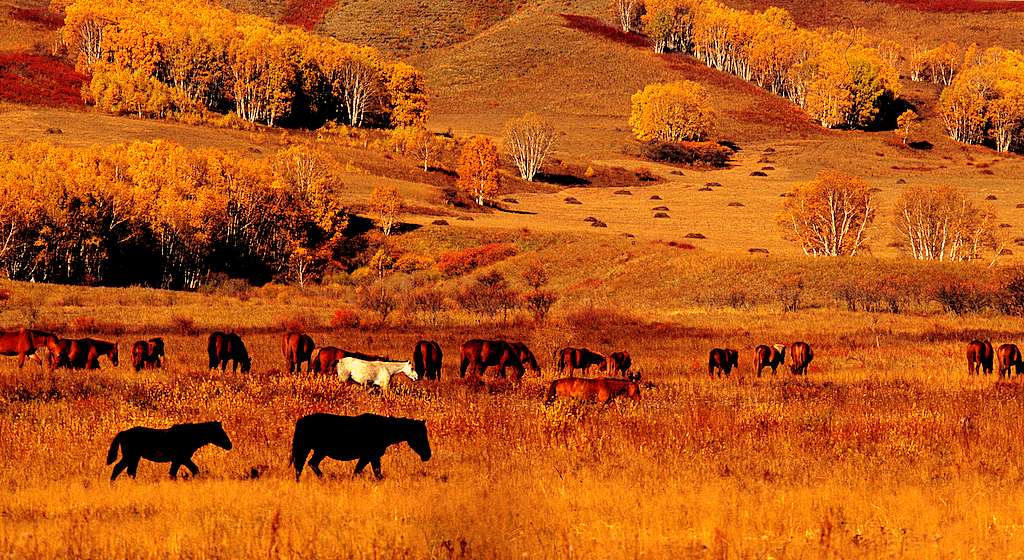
943	223
938	65
672	112
906	123
418	142
668	23
528	140
386	203
627	13
828	216
478	169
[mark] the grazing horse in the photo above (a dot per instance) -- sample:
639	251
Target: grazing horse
600	390
800	357
582	359
769	356
618	363
526	357
366	372
478	355
224	347
722	360
1009	357
298	348
24	343
346	438
326	358
148	353
979	356
426	358
174	445
84	353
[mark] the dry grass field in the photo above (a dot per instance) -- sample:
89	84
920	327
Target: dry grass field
886	449
880	451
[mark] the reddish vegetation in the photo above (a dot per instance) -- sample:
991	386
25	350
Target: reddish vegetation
454	263
39	16
39	80
597	27
962	5
306	14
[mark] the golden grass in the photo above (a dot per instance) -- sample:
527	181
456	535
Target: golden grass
887	448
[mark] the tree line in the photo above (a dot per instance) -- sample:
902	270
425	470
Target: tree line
843	80
191	59
154	213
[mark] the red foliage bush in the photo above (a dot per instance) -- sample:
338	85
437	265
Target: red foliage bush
345	318
455	263
39	80
955	6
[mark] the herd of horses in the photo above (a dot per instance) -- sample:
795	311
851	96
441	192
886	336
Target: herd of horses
980	358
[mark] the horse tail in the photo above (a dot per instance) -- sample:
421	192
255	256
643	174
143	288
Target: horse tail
550	397
561	360
114	445
299	449
314	361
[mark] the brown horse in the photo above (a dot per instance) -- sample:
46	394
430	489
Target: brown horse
769	356
426	359
526	357
618	363
722	360
601	390
298	348
979	357
148	353
224	347
582	359
1009	357
84	353
801	356
24	343
327	358
478	355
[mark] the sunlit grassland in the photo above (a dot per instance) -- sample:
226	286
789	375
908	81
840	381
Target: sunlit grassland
886	448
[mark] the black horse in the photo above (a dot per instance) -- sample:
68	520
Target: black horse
346	438
174	445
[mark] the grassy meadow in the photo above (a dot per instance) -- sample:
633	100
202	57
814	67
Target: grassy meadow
887	448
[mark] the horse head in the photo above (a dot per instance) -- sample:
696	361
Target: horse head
418	439
410	373
220	437
246	363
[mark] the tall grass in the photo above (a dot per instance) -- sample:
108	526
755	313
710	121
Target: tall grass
887	448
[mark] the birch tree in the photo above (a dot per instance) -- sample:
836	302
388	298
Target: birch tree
830	215
528	140
942	223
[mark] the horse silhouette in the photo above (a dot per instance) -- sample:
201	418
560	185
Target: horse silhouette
174	445
348	438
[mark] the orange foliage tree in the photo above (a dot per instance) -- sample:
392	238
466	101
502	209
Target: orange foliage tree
478	169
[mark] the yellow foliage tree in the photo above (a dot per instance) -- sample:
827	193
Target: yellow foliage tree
942	223
478	169
386	203
672	112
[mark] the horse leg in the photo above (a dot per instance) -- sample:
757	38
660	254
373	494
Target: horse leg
133	465
192	467
21	360
314	463
174	469
119	468
375	463
360	465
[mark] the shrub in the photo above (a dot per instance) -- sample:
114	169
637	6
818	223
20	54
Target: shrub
344	318
184	325
709	154
789	292
539	302
379	299
457	263
959	297
490	294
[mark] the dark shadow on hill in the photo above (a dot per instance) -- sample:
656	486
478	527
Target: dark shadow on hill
561	179
594	26
504	210
921	145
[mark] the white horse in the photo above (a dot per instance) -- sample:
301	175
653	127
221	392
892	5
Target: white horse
377	373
